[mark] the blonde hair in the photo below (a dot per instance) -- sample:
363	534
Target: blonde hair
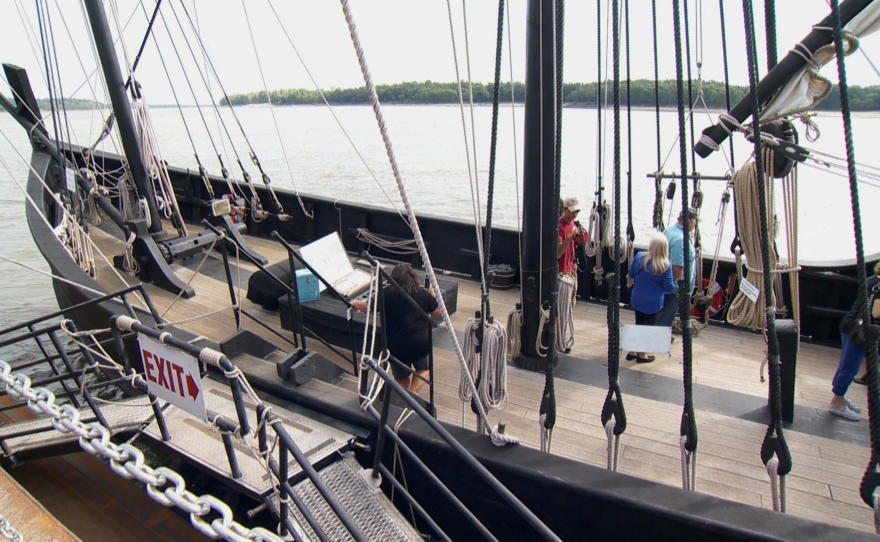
658	253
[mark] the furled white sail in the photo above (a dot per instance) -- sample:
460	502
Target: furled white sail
808	87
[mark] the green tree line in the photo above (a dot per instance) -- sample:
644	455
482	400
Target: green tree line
578	94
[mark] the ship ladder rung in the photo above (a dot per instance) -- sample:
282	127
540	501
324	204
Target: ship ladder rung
368	507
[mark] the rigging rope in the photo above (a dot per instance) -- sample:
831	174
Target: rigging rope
493	145
774	441
613	415
658	174
498	438
688	419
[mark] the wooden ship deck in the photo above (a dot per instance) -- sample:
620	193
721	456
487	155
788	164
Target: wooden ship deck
829	454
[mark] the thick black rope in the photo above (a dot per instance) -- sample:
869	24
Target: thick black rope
613	400
205	82
56	96
774	440
188	83
687	49
493	147
688	421
770	31
630	230
147	35
599	109
870	480
548	398
658	188
168	76
736	240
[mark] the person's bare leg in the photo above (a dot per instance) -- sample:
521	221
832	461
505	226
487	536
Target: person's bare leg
838	402
404	382
417	383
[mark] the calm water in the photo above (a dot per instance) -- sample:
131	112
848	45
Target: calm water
428	144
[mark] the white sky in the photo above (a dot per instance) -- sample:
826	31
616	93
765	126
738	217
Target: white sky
404	40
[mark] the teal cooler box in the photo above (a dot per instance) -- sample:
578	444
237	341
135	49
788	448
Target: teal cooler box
307	286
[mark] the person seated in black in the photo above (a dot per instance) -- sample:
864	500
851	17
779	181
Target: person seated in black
407	330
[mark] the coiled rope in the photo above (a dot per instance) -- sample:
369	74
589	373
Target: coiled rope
565	321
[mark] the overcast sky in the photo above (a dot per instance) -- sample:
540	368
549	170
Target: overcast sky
404	40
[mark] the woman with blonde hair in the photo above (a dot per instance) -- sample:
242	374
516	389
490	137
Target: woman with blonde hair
652	274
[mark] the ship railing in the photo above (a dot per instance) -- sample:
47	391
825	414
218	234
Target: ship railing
49	333
279	468
386	431
291	290
228	428
300	330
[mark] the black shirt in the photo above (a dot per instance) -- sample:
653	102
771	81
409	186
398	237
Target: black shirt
407	329
854	315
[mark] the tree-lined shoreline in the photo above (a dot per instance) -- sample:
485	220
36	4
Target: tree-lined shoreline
641	91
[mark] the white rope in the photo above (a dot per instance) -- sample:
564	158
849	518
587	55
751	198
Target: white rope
564	319
777	485
403	247
493	367
613	450
545	434
514	333
152	158
688	466
473	178
472	365
497	438
743	312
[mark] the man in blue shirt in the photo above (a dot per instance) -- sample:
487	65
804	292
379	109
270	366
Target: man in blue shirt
675	235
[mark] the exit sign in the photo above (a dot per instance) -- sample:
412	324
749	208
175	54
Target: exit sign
173	376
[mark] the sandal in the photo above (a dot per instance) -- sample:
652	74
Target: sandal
648	359
863	380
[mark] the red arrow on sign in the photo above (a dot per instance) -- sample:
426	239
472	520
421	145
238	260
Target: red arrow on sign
191	386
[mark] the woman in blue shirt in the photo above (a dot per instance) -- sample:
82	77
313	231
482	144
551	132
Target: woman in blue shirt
653	279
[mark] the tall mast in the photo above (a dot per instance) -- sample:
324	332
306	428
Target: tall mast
122	108
540	205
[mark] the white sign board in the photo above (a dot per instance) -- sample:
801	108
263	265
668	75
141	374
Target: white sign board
750	290
653	339
328	257
173	375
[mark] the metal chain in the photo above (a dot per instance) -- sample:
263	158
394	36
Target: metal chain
128	462
8	532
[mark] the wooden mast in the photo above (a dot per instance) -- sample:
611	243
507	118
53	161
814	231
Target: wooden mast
540	204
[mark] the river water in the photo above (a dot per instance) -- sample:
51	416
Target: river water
340	154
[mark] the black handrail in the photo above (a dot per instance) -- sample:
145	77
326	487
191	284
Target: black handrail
292	253
119	293
433	478
466	456
243	427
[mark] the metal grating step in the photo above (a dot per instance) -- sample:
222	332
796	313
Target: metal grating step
126	415
370	509
202	445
